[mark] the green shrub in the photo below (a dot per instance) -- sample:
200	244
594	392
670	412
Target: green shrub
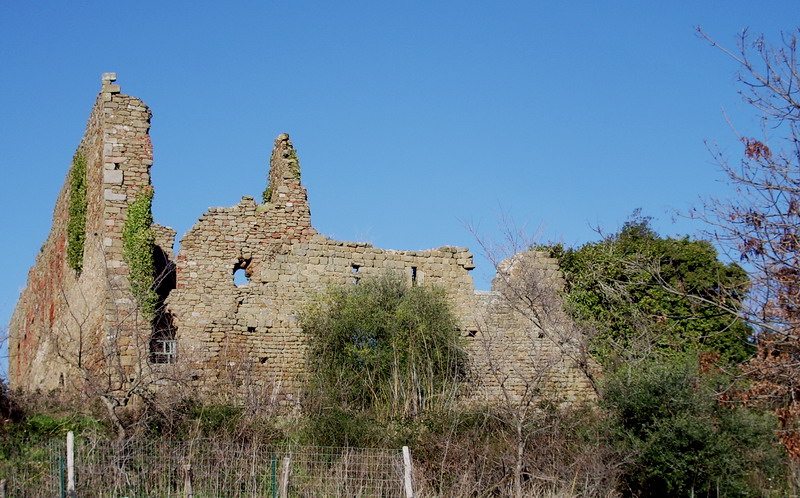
215	419
382	350
678	439
657	296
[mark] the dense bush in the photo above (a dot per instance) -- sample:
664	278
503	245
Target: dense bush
652	295
381	351
679	439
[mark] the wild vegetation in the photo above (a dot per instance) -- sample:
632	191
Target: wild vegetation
655	296
76	226
137	243
699	377
383	353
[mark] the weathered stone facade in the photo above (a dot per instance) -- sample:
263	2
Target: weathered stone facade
245	335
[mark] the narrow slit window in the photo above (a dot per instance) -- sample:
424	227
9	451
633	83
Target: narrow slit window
413	275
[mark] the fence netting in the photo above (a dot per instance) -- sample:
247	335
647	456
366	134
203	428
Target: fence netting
209	468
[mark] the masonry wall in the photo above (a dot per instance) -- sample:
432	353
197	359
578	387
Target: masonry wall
247	337
68	327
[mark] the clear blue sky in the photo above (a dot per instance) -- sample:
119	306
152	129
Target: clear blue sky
411	119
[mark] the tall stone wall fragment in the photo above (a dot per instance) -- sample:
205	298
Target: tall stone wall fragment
66	324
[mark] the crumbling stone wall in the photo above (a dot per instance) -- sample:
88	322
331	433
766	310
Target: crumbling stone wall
64	321
522	343
248	336
245	338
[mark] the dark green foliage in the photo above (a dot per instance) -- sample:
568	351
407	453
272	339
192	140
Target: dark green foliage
678	438
339	427
649	294
380	350
137	243
215	419
76	227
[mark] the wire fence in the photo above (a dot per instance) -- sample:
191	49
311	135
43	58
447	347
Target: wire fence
33	471
205	468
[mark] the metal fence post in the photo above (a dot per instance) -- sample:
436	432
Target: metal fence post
62	476
407	472
274	475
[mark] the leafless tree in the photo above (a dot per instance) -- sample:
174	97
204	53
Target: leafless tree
760	225
116	365
527	290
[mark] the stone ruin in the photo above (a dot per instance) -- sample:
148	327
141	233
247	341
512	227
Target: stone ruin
83	332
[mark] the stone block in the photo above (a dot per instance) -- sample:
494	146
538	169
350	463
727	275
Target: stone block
113	176
110	195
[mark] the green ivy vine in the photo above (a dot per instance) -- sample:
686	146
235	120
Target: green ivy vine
267	195
76	226
294	164
137	244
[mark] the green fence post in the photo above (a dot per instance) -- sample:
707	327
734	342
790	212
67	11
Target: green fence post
62	473
274	476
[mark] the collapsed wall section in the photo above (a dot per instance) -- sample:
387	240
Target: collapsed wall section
247	335
243	335
65	318
522	345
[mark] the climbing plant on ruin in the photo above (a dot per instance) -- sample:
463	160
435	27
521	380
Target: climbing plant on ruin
137	241
267	195
76	227
294	164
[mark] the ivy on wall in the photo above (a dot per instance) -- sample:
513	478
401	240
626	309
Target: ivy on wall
292	168
76	226
137	246
294	164
267	195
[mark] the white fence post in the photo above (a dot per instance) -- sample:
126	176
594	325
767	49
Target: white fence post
407	472
187	481
70	464
285	477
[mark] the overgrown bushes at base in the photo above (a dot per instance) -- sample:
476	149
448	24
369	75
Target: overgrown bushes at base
383	350
679	439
